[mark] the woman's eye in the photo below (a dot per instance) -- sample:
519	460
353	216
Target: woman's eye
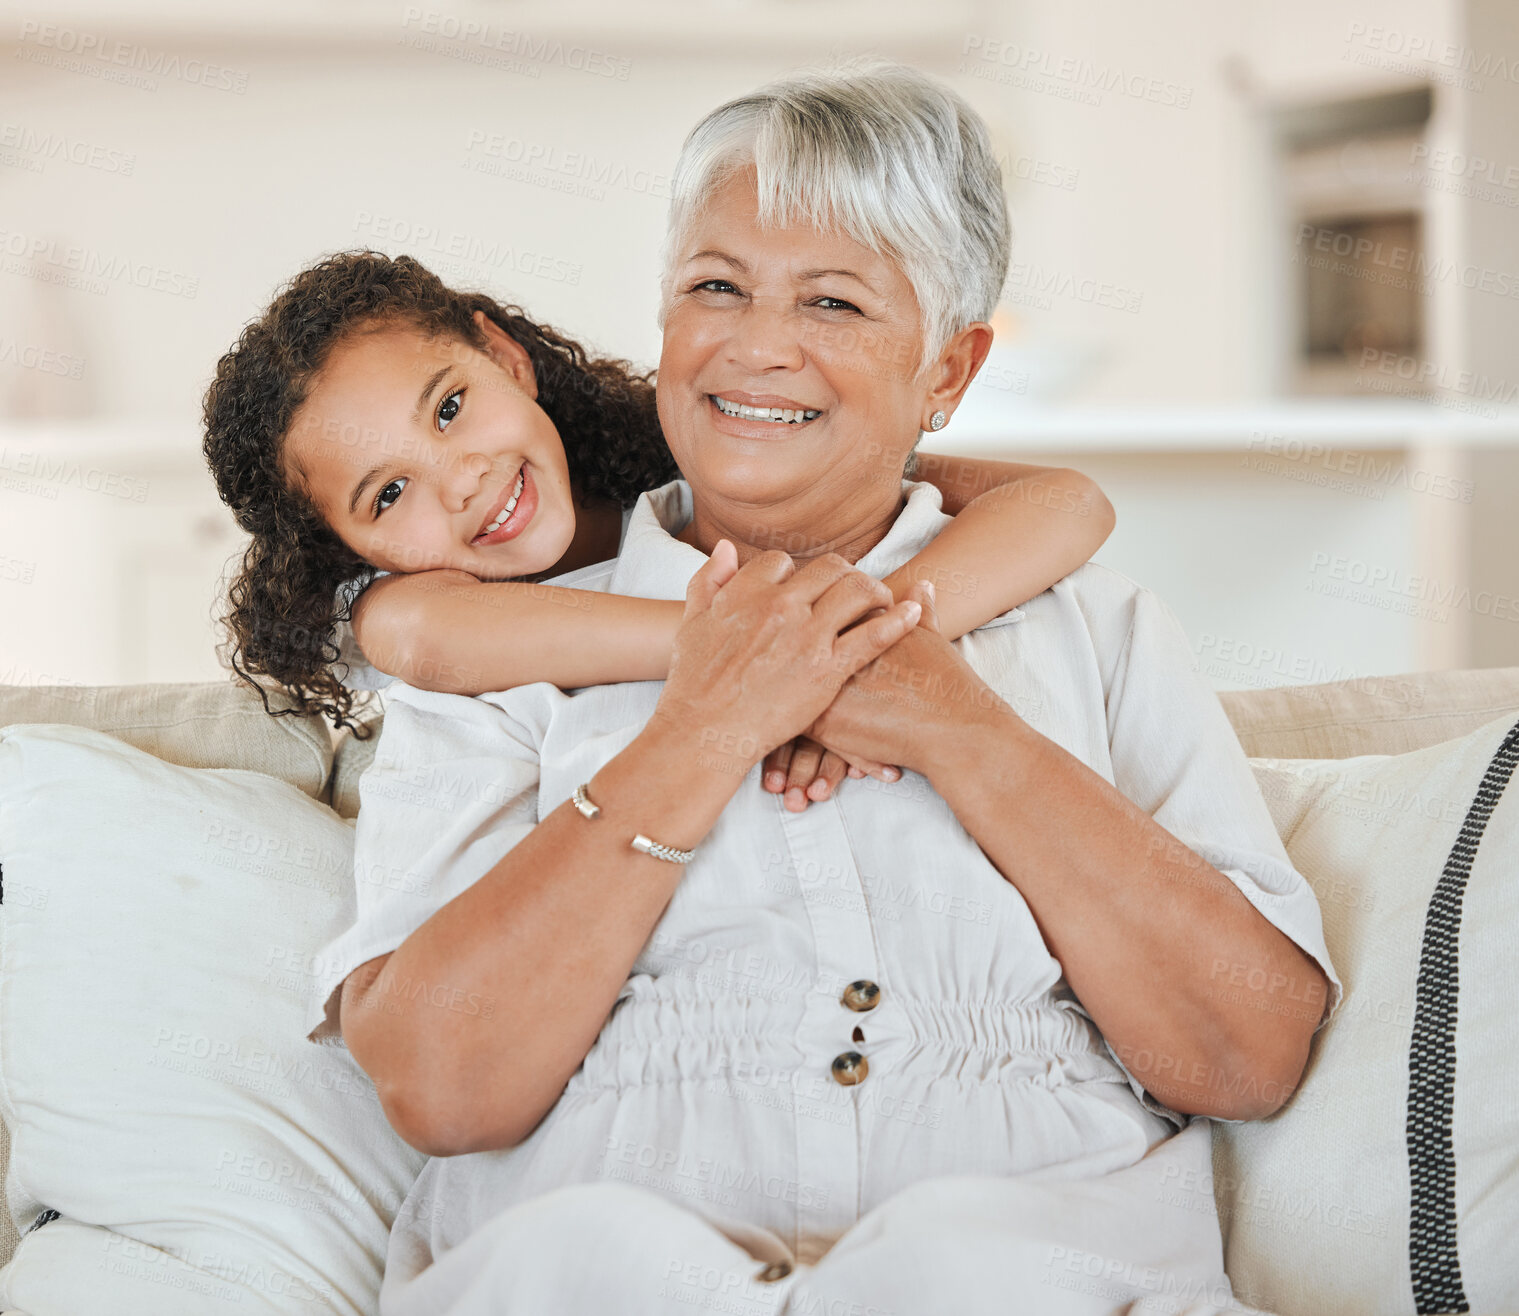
449	408
714	285
834	304
380	497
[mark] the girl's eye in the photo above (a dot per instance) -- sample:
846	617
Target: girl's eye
835	304
449	408
380	497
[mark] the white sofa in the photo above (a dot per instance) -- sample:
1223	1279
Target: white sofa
1324	756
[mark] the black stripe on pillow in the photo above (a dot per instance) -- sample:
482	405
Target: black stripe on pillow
1433	1261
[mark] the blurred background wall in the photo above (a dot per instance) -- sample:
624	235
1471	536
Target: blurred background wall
1265	281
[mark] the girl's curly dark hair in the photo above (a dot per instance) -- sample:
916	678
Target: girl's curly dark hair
283	601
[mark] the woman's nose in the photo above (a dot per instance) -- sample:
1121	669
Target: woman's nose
767	336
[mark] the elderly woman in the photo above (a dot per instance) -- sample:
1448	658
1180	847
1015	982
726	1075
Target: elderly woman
940	1045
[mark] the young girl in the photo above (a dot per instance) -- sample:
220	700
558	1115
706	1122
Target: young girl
412	461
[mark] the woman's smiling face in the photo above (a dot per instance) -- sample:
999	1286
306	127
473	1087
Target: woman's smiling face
413	445
762	322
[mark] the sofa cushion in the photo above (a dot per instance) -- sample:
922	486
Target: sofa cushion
9	1235
1369	714
351	756
213	724
196	724
183	1147
1403	1135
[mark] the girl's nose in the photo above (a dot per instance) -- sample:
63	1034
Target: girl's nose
463	474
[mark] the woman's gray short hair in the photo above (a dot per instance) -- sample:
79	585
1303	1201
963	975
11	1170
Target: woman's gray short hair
876	149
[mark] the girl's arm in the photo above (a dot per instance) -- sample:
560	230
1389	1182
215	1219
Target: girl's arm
445	630
1017	530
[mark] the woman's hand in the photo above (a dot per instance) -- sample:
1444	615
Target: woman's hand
909	705
804	770
764	649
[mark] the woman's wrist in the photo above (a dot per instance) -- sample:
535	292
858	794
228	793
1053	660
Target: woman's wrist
699	753
985	739
667	784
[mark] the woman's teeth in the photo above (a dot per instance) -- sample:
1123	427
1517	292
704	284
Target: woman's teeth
786	414
511	503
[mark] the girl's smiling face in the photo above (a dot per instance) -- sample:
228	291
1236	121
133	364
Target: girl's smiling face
414	445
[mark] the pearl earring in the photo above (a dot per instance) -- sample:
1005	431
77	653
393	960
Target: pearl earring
936	421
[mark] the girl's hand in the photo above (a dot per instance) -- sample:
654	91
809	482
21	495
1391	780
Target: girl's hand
806	771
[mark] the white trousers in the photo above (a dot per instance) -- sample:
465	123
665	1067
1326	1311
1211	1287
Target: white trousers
966	1245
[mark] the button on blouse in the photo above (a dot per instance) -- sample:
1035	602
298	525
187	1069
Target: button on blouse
861	995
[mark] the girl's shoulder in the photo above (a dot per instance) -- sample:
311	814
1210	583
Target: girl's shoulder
349	590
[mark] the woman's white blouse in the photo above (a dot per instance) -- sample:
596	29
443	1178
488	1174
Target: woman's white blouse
715	1079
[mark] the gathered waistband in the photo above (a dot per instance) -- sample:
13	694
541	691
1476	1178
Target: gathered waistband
671	1030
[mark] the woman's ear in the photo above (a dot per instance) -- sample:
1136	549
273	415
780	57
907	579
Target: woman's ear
957	365
508	353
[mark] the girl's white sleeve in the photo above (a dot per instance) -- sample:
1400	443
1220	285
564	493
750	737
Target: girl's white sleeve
359	674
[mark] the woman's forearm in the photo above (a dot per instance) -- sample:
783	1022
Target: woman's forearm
542	944
1139	922
446	631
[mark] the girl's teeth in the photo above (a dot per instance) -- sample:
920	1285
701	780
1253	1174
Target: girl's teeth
786	415
506	511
